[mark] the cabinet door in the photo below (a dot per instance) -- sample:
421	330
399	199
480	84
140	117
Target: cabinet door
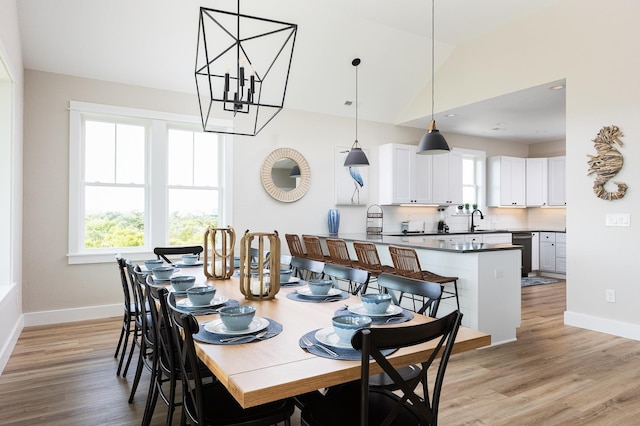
518	181
497	238
506	181
447	179
557	181
422	184
396	173
535	251
536	182
547	256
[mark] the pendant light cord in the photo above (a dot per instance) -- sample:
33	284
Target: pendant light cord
356	104
432	56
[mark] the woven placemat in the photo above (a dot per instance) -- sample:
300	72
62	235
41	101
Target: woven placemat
347	354
273	329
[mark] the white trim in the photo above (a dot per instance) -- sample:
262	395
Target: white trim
602	325
10	344
73	314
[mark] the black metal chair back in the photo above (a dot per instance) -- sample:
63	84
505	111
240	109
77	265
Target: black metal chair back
163	252
429	292
357	279
307	269
129	317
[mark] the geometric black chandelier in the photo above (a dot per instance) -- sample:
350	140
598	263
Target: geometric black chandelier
242	70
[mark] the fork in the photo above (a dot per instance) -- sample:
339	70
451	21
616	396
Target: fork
244	336
309	344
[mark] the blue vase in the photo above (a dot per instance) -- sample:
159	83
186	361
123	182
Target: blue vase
334	221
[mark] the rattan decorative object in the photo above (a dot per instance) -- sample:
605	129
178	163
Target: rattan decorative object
221	267
260	280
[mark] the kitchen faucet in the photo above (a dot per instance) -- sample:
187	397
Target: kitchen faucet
473	227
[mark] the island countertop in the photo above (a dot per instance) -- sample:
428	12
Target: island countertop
424	242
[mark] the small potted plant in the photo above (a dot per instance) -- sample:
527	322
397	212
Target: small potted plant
466	208
475	207
460	207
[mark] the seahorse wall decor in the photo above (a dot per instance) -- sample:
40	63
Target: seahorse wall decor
607	163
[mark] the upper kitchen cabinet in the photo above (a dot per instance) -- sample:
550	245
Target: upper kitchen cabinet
446	178
405	177
537	182
506	177
557	180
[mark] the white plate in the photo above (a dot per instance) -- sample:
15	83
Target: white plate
184	265
218	327
327	336
186	303
360	310
306	292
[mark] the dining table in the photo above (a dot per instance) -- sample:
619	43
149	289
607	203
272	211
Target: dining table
263	370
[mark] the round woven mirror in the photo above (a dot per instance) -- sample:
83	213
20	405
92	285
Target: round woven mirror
276	175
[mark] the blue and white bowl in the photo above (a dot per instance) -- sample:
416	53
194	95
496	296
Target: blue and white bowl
152	263
346	325
162	272
320	287
183	282
201	296
189	259
236	318
285	274
376	303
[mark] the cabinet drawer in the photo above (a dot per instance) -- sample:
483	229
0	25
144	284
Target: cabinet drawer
470	238
548	237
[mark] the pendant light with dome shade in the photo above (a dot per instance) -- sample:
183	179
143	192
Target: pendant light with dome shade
356	156
433	142
295	172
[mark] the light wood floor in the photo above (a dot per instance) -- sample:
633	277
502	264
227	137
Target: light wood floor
554	374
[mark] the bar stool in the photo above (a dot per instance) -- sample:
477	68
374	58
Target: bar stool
339	253
295	245
406	263
314	249
369	260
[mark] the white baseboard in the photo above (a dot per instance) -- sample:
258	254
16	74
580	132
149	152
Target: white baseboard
603	325
71	315
7	348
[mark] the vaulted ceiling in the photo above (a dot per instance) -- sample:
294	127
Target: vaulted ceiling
152	43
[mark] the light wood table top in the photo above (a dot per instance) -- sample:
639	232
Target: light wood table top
267	370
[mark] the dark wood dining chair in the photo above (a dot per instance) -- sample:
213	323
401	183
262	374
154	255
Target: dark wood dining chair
165	252
339	252
314	249
295	245
406	263
211	403
357	279
129	317
365	405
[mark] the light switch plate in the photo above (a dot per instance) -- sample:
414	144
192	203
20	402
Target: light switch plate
618	219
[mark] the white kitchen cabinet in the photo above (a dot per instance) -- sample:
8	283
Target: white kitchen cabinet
506	181
405	177
561	253
502	238
473	238
557	181
451	239
447	178
535	251
536	182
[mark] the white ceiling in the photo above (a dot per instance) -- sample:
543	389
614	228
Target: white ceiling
152	43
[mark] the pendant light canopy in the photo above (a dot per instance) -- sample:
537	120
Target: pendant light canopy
356	156
433	142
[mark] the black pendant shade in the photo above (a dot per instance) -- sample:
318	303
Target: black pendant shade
295	171
433	142
356	157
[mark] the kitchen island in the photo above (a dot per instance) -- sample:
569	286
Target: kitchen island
488	278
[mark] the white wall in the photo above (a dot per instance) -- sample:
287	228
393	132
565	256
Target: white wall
11	97
595	49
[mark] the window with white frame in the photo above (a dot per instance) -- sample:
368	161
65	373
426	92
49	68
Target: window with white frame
140	179
473	163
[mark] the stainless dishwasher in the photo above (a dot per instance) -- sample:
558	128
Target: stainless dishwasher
523	239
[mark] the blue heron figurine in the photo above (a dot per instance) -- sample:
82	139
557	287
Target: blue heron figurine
358	183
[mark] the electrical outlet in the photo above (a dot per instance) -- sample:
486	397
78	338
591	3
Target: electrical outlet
498	273
611	296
